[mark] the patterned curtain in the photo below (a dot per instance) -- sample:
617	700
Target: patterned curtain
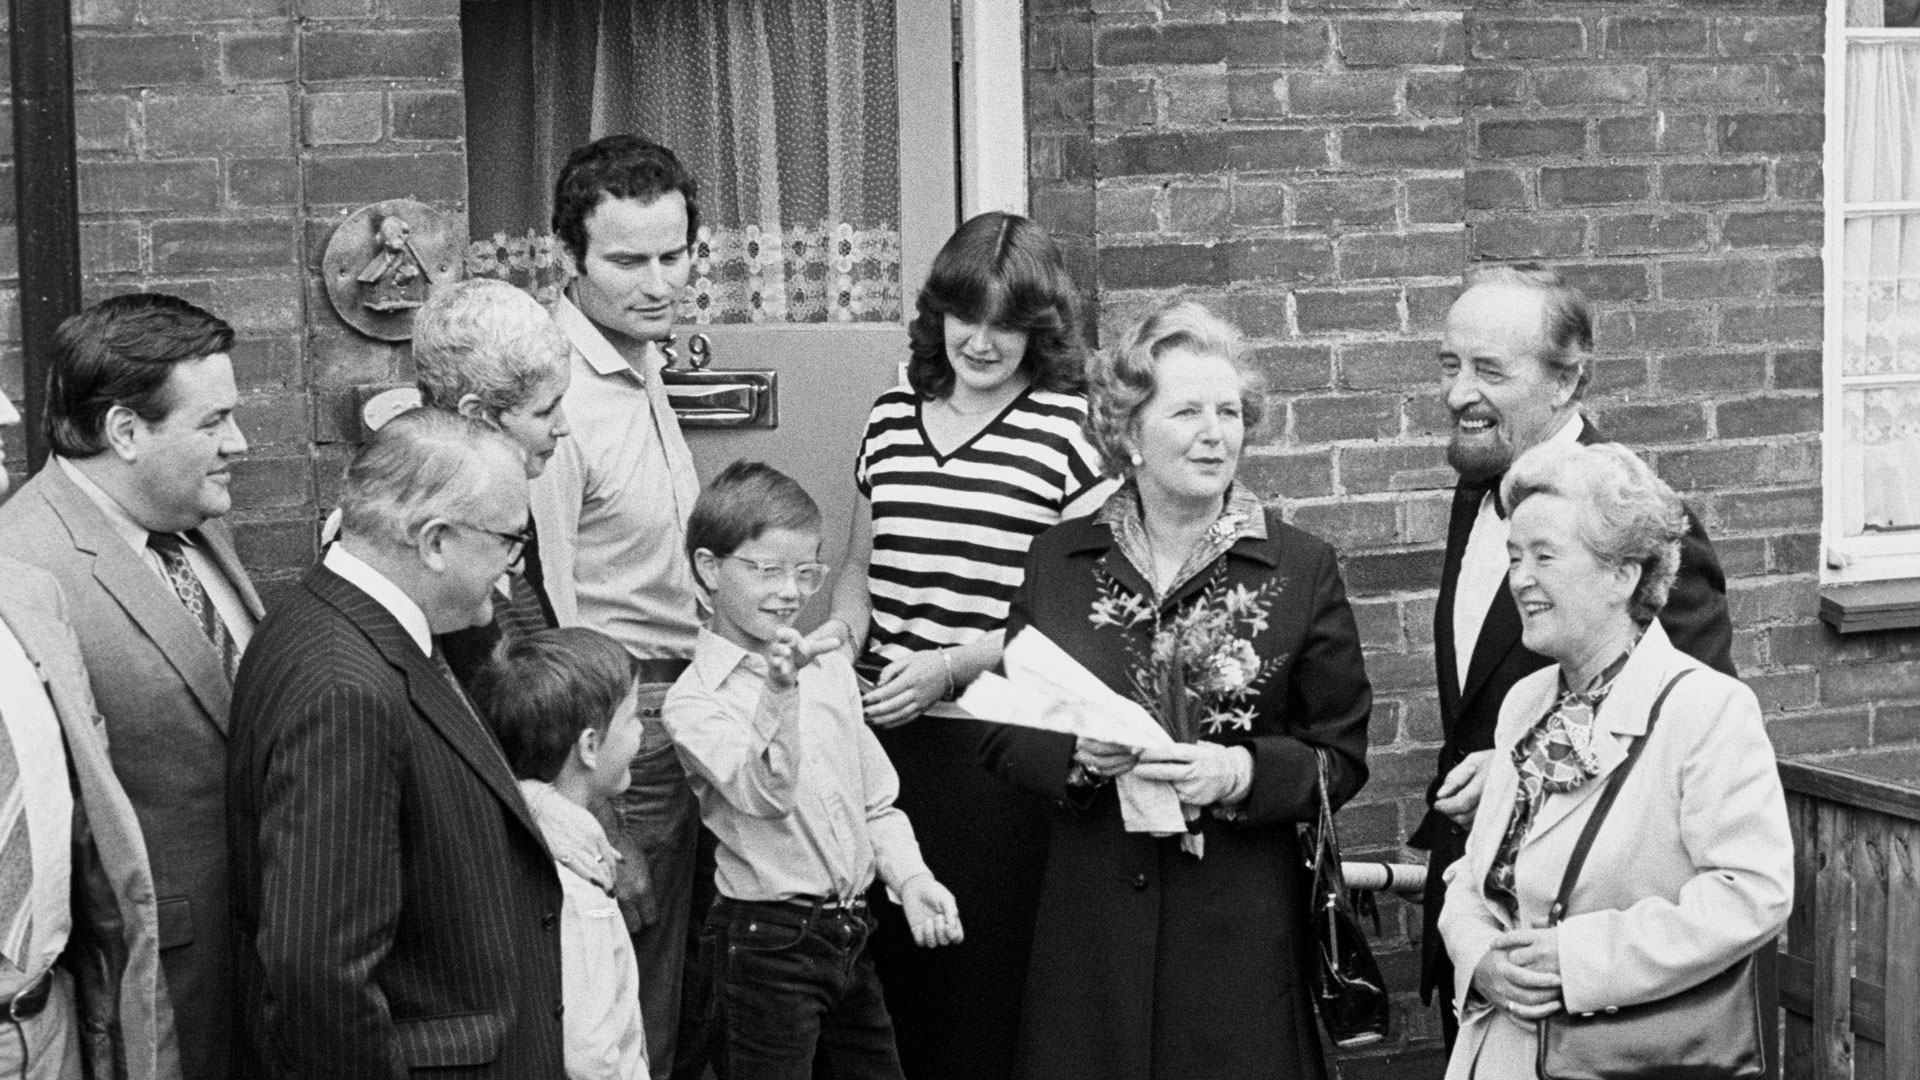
785	110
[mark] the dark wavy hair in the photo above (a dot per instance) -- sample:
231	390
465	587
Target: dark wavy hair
541	691
617	167
121	351
1004	270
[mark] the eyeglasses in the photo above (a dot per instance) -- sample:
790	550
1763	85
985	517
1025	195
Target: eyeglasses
807	577
516	541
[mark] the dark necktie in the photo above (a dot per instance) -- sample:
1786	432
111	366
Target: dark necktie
16	859
440	665
193	596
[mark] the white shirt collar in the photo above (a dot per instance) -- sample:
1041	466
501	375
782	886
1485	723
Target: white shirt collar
715	658
134	533
1568	435
591	344
383	591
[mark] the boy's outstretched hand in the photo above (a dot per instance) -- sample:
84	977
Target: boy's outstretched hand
932	914
790	652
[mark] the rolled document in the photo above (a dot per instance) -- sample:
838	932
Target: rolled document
1045	688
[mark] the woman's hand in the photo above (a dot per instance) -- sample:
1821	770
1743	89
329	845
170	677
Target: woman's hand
1529	990
906	688
1202	773
1104	759
932	913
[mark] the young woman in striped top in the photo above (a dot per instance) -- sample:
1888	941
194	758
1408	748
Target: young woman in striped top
958	472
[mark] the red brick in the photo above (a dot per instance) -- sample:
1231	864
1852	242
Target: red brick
1122	210
1713	278
1895	723
1292	259
1439	200
1799	180
188	246
1770	322
260	362
201	11
1594	185
1251	95
1770	509
1774	228
1343	202
1401	41
1767	35
255	182
1256	203
1638	425
1427	306
1638	134
1172	43
269	303
1434	95
1741	556
106	247
1194	96
257	57
200	123
1713	182
1194	208
1714	466
1330	419
1526	138
1760	416
1770	133
1527	237
1434	146
1649	36
1115	101
1618	377
102	124
439	177
327	55
1498	189
1795	553
1512	38
1343	94
262	483
276	545
1717	83
1353	523
1395	468
1719	372
1276	150
1491	87
102	12
1797	370
1291	367
1211	152
345	118
1386	365
1060	101
1321	311
1799	275
1288	476
1262	43
1400	255
145	59
1641	234
420	9
1818	732
149	185
1395	571
1163	265
1610	84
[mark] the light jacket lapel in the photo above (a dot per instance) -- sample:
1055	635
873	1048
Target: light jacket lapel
220	545
145	598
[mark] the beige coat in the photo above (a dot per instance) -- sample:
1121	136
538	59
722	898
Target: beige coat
1692	869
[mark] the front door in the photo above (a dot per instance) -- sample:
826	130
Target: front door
822	135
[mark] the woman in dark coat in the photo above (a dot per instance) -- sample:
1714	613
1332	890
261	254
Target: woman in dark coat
1158	958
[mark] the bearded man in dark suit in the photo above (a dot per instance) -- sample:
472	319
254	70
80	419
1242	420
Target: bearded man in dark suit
396	907
1514	362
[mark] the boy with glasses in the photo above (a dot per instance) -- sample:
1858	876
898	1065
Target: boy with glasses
799	795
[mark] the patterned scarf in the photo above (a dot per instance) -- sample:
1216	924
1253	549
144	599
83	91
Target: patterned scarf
1554	757
1241	517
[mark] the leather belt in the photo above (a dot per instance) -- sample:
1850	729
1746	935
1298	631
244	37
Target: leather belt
27	1003
659	670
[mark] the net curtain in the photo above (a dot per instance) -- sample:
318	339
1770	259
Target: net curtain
786	111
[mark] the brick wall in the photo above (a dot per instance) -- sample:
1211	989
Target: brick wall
220	141
1320	171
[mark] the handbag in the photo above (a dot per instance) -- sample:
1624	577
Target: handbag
1341	974
1710	1030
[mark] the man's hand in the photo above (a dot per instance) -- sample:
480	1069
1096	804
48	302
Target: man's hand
790	652
932	914
1459	794
1522	990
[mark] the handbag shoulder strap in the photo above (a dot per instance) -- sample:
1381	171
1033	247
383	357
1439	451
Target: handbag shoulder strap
1579	856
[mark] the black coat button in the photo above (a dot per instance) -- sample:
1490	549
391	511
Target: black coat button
557	1010
549	921
1140	881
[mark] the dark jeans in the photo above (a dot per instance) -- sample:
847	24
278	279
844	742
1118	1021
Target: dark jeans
792	983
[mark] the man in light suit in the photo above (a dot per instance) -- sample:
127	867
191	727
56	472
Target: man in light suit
126	517
396	905
1514	364
81	879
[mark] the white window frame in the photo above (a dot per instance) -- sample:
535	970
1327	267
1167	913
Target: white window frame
992	71
1860	558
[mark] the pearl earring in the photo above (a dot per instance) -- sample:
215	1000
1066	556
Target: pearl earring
1135	459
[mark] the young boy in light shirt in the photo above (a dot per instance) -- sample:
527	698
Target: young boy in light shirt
800	796
562	703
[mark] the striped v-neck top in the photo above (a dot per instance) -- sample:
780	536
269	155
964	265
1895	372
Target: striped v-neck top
950	533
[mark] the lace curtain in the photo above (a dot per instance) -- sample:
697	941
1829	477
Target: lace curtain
1880	300
786	111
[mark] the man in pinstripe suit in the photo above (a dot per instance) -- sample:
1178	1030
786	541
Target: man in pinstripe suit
397	909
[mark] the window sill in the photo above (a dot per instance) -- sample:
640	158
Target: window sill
1872	605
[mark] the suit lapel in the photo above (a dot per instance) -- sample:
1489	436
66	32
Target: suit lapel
1459	527
143	596
1499	635
433	698
220	546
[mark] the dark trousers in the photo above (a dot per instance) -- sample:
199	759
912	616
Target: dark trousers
794	993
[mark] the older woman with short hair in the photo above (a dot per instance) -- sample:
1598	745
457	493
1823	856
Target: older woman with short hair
1164	957
1692	868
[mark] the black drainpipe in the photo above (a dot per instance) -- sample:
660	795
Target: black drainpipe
46	194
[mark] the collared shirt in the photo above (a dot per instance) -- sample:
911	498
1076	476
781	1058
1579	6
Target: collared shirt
226	599
613	503
1483	565
384	592
38	748
792	782
599	977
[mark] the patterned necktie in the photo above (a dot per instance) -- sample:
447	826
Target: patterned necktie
439	661
16	859
193	596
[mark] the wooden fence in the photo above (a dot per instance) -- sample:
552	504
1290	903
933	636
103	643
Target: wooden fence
1849	968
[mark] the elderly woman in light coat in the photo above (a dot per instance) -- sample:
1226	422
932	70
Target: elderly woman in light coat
1693	867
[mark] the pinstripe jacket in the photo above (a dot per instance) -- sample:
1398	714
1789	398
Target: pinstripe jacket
395	905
